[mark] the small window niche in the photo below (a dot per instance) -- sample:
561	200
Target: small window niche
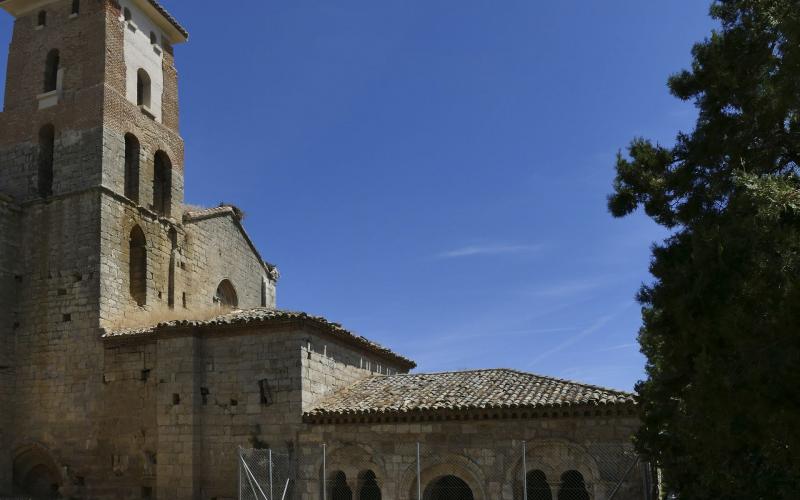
76	9
265	392
41	19
154	43
127	16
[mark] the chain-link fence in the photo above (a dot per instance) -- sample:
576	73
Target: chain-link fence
542	470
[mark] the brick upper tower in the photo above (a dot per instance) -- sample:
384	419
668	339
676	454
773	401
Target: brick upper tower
85	71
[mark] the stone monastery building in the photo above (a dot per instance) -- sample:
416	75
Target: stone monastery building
141	346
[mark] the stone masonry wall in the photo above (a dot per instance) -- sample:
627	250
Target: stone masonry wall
118	309
216	250
181	404
9	253
486	454
329	366
58	387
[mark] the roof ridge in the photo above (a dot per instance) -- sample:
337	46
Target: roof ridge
243	317
574	382
513	370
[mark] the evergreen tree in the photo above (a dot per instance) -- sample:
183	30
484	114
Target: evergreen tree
721	320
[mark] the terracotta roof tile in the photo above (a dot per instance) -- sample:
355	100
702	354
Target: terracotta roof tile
262	316
464	390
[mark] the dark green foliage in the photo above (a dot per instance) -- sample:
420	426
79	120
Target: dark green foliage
721	321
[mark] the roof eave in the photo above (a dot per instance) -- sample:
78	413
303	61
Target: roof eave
173	31
583	410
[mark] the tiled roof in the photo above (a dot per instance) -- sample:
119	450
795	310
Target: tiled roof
160	8
261	317
464	390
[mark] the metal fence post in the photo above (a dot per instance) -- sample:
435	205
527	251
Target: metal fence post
524	471
270	475
419	476
324	475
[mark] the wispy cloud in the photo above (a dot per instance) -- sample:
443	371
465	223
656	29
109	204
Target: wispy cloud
619	347
569	288
483	250
594	327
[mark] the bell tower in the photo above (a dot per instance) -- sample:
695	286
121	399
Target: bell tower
90	156
79	70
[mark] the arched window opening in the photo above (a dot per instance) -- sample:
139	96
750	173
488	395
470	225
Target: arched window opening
42	19
573	486
51	67
76	6
47	139
538	489
132	151
448	488
126	13
368	488
226	295
142	88
339	489
138	266
162	184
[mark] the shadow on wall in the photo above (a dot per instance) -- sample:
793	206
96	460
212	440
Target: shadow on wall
36	474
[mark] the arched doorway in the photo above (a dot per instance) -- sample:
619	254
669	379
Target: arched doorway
448	488
36	475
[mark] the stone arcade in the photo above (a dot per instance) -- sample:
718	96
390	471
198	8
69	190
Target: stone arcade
140	344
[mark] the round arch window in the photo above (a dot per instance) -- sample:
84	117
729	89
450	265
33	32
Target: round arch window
448	488
226	295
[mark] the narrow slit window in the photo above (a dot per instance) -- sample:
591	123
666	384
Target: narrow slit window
41	20
51	67
173	238
265	391
162	184
126	13
76	7
132	151
47	137
138	266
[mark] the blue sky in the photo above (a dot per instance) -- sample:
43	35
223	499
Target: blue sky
433	175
